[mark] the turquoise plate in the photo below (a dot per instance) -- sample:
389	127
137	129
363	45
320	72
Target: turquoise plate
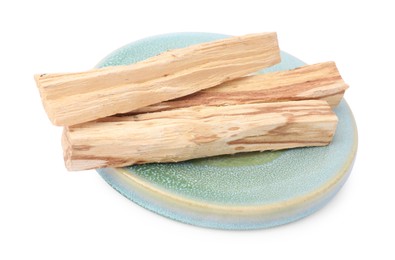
243	191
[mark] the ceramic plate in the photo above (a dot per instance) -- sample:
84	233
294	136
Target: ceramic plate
243	191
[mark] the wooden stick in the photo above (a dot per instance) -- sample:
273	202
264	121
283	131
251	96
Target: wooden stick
318	81
74	98
195	132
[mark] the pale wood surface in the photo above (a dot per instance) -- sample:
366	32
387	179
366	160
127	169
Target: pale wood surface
195	132
73	98
318	81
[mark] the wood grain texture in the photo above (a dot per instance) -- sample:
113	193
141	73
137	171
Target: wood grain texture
319	81
74	98
195	132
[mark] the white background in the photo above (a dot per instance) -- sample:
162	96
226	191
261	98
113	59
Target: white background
49	213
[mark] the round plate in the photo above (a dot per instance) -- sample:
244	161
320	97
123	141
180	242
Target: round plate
243	191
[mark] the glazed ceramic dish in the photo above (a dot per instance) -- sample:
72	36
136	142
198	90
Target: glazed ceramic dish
243	191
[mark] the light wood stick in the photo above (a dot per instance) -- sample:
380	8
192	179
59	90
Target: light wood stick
74	98
318	81
195	132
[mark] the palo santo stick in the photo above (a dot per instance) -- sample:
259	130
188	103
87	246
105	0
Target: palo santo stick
75	98
195	132
318	81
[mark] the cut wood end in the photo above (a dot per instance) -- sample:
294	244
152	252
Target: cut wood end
48	108
77	164
66	148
